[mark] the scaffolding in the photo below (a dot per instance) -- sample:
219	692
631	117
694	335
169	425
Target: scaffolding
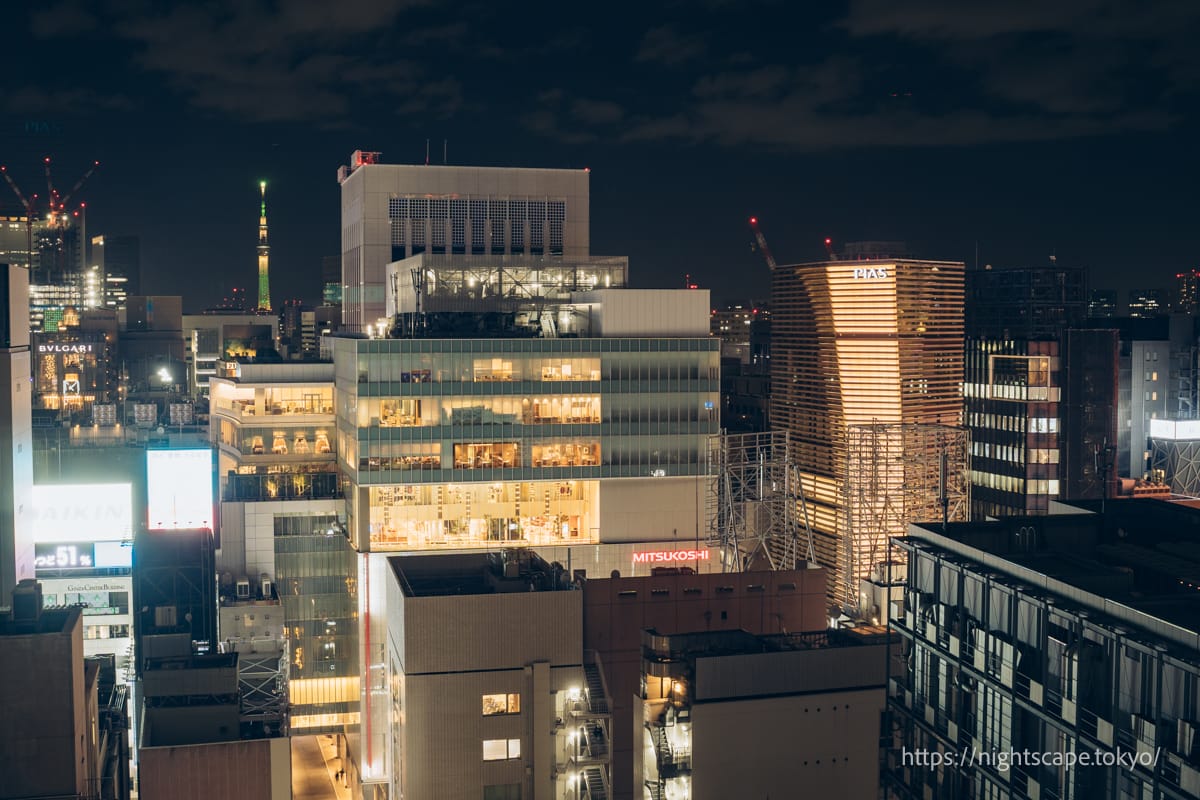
896	474
756	515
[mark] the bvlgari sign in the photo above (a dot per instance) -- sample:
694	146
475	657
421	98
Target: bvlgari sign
64	348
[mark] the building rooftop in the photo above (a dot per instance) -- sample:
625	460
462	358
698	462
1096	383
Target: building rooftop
1139	553
50	620
443	575
740	642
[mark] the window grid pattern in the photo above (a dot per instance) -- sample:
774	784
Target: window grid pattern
546	220
537	227
438	212
479	209
517	212
556	214
398	217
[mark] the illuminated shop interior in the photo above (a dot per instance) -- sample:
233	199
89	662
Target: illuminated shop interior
467	515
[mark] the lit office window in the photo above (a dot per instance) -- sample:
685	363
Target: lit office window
501	749
494	704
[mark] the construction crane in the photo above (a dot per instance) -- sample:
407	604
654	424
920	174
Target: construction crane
762	244
58	207
28	204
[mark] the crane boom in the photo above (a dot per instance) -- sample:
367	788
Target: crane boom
49	183
762	244
28	206
79	183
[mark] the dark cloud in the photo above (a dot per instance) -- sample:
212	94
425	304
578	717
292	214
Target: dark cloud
600	112
258	62
667	45
1011	72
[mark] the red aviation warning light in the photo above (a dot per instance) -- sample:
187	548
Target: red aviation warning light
762	244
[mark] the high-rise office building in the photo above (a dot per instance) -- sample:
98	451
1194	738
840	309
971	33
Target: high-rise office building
19	239
1042	416
1025	302
331	280
16	431
863	354
119	260
1102	303
393	211
1146	303
1187	283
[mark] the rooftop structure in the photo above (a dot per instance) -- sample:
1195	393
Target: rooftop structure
393	211
815	701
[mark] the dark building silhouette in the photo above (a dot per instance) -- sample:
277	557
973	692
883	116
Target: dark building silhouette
1025	302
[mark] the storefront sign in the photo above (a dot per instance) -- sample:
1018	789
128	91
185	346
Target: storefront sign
64	348
669	556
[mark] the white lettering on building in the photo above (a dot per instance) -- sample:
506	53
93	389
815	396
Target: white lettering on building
870	273
667	556
64	348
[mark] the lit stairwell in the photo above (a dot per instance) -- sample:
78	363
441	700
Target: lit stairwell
595	688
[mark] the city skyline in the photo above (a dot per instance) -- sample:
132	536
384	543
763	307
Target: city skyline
1001	139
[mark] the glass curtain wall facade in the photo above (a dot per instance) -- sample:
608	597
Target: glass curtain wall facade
859	343
318	586
467	442
1011	395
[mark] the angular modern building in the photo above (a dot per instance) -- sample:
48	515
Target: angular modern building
393	211
866	373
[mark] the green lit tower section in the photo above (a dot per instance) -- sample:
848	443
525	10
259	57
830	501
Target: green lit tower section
264	254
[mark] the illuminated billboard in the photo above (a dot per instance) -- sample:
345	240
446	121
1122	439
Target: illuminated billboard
82	512
179	489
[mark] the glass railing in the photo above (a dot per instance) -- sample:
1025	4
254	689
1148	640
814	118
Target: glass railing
281	486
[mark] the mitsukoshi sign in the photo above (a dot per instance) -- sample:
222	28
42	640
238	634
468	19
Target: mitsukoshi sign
669	556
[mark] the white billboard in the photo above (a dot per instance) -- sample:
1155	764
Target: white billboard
82	512
179	489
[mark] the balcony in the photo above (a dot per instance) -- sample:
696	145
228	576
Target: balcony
281	486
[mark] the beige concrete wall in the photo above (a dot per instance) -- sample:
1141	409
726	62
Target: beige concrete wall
258	768
648	312
818	745
616	611
494	631
652	509
444	730
43	698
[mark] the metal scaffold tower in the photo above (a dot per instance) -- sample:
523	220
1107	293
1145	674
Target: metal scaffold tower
898	473
756	516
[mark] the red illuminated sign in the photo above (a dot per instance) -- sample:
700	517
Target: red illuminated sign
667	556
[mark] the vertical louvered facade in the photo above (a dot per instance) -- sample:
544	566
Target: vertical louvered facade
860	343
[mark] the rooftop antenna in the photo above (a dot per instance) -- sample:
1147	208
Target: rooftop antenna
445	151
427	152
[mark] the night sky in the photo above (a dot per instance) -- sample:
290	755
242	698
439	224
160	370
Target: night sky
1018	129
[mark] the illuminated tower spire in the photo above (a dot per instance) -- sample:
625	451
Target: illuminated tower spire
264	254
